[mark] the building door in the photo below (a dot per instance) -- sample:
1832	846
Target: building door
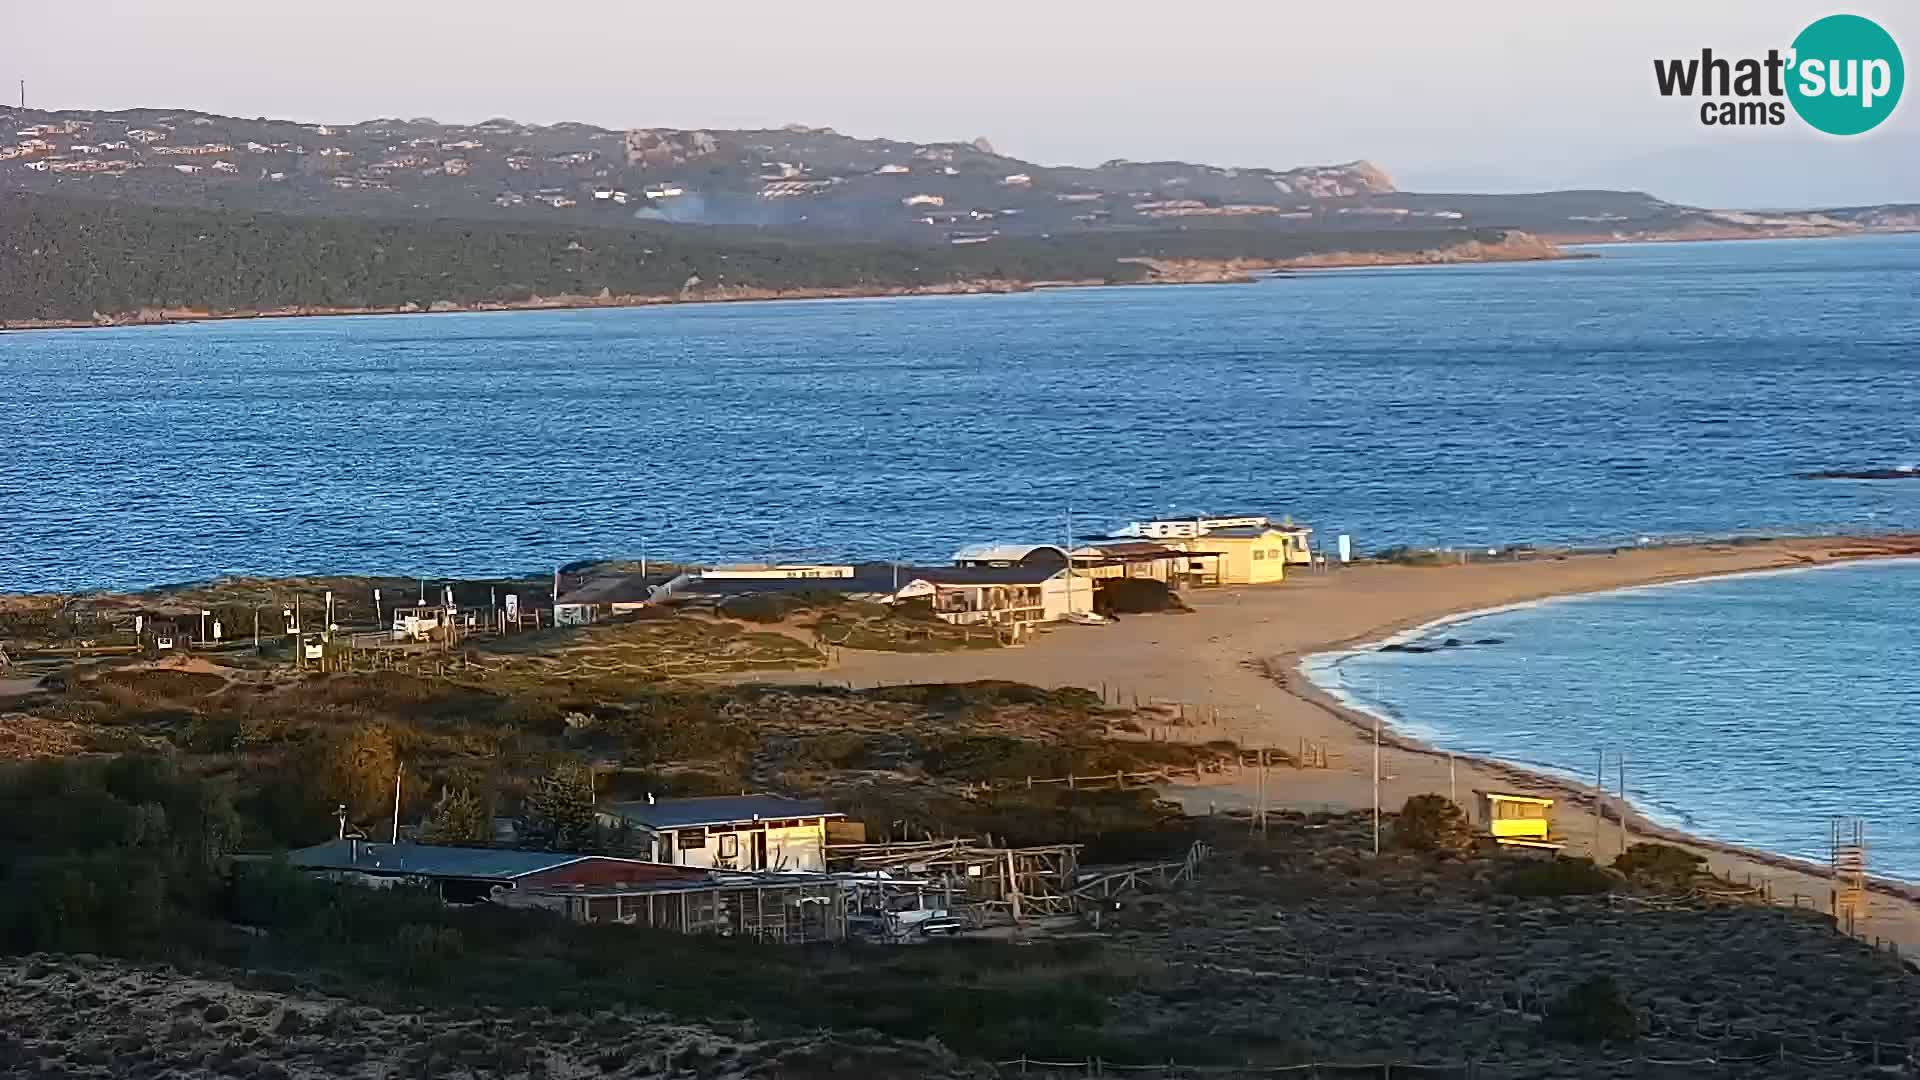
760	850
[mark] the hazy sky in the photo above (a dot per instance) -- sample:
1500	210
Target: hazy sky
1470	95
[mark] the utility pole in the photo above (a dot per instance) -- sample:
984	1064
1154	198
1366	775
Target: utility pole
397	769
1453	785
1599	802
1376	783
1623	803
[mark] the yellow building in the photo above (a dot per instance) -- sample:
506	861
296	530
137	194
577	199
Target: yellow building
1249	554
1520	820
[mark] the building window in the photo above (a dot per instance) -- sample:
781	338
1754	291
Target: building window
1258	554
730	845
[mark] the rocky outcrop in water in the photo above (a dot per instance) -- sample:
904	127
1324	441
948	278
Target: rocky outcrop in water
1904	472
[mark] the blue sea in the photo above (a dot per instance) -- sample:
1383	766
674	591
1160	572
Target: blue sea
1651	391
1656	390
1752	709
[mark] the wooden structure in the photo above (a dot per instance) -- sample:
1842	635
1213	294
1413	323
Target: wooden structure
1108	881
990	882
778	908
1847	856
1518	820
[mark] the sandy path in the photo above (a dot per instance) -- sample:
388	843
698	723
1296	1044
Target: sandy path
1219	658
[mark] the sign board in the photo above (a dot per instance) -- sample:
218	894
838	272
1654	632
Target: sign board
217	629
513	605
139	625
1346	548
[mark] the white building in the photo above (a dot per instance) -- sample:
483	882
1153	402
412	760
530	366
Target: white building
731	832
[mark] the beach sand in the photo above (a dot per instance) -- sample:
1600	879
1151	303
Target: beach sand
1234	661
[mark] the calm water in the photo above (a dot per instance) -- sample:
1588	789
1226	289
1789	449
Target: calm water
1658	390
1751	709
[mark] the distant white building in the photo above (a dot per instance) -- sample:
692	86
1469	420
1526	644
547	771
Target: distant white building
923	200
1018	179
891	169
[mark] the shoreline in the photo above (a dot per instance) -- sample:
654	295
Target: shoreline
1341	698
1238	656
1525	248
1540	779
1518	247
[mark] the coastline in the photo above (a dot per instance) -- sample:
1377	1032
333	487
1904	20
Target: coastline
1238	657
1518	247
1522	247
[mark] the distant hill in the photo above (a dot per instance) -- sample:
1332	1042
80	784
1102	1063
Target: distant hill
83	261
796	179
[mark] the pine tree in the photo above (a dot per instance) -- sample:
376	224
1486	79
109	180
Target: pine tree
559	807
458	817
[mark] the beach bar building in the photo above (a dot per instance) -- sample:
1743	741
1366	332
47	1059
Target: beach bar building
598	888
731	832
1107	560
1247	554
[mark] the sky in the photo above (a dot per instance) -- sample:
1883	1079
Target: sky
1476	95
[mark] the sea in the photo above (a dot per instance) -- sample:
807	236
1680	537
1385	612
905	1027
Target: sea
1642	392
1754	709
1659	390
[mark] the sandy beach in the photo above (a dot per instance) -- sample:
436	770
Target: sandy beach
1235	660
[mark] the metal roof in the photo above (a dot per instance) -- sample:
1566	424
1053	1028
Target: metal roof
717	810
983	575
615	588
1245	532
430	860
1006	553
861	584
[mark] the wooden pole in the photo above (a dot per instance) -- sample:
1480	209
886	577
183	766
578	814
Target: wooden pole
1623	803
1599	803
1376	783
1013	886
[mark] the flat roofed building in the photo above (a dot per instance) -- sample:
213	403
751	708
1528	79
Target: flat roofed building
1250	555
731	832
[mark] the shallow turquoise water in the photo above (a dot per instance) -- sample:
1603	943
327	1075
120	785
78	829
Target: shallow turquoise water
1751	709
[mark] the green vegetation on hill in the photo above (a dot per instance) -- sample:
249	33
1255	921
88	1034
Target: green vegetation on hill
67	259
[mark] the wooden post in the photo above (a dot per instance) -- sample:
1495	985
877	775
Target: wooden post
1013	886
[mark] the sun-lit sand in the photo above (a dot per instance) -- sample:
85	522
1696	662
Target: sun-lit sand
1235	657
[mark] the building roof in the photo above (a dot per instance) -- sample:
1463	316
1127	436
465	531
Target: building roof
860	584
629	588
1006	553
1243	532
717	810
982	575
431	860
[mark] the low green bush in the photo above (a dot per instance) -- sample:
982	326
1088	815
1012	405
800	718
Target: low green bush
1593	1011
1662	865
1432	823
1559	877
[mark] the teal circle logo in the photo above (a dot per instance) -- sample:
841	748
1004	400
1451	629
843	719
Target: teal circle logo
1846	75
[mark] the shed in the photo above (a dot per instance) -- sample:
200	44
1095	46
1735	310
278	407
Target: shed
1518	820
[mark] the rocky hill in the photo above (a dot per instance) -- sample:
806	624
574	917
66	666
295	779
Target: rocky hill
806	179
